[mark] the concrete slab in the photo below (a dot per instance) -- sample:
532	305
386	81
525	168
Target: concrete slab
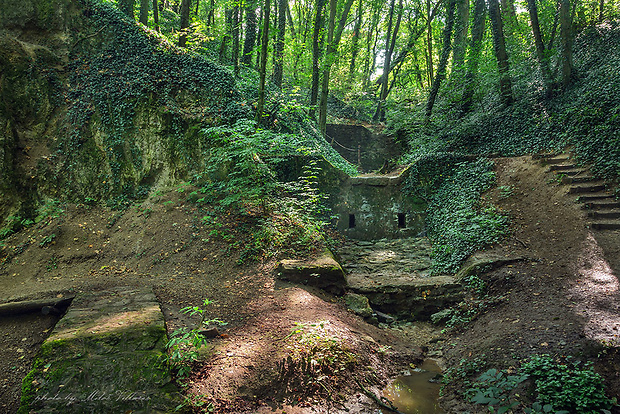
104	356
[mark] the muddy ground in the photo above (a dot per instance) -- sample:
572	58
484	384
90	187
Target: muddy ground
562	300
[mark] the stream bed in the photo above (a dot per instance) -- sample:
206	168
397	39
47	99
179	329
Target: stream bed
417	393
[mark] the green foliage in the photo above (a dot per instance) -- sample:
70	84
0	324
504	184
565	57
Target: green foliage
568	385
561	386
134	69
196	402
183	349
50	209
197	310
13	224
475	284
461	372
47	240
494	388
318	360
456	223
585	116
184	345
465	312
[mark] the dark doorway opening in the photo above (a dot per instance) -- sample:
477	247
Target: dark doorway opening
351	221
402	221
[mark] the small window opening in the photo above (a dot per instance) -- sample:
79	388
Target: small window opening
351	221
402	222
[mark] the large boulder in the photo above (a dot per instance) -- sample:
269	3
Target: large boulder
323	272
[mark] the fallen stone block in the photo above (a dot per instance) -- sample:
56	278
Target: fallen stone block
323	272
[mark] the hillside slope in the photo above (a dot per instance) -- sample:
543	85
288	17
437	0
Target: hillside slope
562	300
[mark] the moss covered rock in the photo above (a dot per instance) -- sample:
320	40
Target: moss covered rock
105	355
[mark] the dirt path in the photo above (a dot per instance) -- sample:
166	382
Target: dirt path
563	300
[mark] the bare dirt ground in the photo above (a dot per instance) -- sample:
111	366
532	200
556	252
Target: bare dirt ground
165	243
562	300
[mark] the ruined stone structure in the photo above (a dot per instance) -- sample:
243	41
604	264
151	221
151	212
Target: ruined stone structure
362	147
370	207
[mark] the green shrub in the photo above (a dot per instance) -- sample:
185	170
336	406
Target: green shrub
568	385
456	222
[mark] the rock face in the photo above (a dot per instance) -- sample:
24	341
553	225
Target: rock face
323	272
92	107
358	304
484	262
104	356
395	277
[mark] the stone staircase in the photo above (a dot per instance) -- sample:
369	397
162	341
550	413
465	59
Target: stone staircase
595	195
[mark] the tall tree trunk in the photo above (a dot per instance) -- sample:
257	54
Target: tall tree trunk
156	15
509	16
317	46
235	36
144	12
329	57
380	112
566	38
184	23
126	6
263	63
355	41
543	62
499	46
260	36
333	39
197	7
460	38
278	67
369	64
250	32
429	43
418	70
211	14
223	52
443	60
475	47
601	15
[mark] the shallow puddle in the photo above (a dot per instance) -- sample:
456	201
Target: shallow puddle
415	394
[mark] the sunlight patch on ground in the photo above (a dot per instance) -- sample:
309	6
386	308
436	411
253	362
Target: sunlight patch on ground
382	256
597	294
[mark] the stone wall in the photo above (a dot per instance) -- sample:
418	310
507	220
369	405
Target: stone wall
374	207
362	147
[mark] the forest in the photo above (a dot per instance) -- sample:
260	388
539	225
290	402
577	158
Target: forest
174	194
466	56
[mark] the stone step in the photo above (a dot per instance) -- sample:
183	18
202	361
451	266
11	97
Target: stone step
563	167
578	179
604	215
606	225
587	188
602	205
559	159
573	172
586	198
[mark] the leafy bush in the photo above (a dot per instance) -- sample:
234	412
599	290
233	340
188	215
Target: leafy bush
184	344
494	388
561	386
318	360
568	385
456	223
